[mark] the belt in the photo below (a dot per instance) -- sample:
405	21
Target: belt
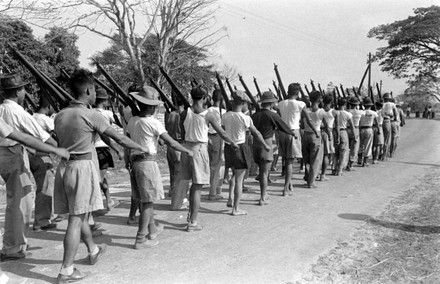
143	157
212	134
343	129
365	127
356	127
79	157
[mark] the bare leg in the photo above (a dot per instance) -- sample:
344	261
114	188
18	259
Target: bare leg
77	228
239	177
231	189
194	202
288	177
264	176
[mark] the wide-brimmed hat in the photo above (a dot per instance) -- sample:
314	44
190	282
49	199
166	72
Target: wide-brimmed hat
353	101
367	102
240	96
147	96
11	81
101	94
268	97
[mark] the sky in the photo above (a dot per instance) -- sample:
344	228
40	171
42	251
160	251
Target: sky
323	40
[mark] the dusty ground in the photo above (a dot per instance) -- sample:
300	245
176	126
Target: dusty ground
279	243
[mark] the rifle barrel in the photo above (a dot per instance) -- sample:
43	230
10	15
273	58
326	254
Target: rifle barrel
162	95
280	82
254	102
223	91
174	87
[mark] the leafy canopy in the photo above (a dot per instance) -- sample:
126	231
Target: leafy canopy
413	44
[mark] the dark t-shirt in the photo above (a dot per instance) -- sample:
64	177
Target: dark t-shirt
267	121
172	125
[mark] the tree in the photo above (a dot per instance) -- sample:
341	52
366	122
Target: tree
57	49
422	91
184	66
413	44
172	21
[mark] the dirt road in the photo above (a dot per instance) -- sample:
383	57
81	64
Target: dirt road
273	244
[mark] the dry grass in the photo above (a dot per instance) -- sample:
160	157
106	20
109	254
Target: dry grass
401	245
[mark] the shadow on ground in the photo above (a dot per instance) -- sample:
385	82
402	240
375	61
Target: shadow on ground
426	230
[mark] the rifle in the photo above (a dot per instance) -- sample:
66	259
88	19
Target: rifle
223	91
229	86
254	102
307	90
301	91
335	98
356	93
257	87
348	92
48	97
378	91
313	85
280	82
118	89
342	90
46	84
174	88
109	90
320	90
31	102
168	104
280	97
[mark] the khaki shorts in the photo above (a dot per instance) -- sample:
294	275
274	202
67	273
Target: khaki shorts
197	168
148	182
260	154
77	189
327	145
290	147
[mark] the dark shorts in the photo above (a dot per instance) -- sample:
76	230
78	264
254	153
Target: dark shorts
237	159
105	158
260	154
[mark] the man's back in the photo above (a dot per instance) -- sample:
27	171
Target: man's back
77	126
290	111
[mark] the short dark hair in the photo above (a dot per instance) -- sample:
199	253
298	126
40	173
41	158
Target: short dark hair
44	102
327	99
315	96
80	80
216	95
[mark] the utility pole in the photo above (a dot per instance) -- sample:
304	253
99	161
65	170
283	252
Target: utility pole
369	75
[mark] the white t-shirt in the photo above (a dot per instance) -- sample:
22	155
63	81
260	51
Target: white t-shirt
367	118
196	126
45	122
19	119
290	111
343	117
316	120
236	124
109	117
357	113
145	131
5	130
387	110
329	117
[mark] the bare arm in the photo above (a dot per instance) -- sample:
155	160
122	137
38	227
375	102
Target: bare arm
38	145
338	130
351	124
259	137
124	141
305	115
112	145
376	121
174	144
51	142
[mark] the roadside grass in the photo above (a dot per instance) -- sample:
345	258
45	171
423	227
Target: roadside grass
401	245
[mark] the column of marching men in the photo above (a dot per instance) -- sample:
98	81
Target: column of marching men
323	135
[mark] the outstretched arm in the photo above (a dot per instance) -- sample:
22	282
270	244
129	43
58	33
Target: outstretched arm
36	144
221	132
305	115
174	144
124	140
